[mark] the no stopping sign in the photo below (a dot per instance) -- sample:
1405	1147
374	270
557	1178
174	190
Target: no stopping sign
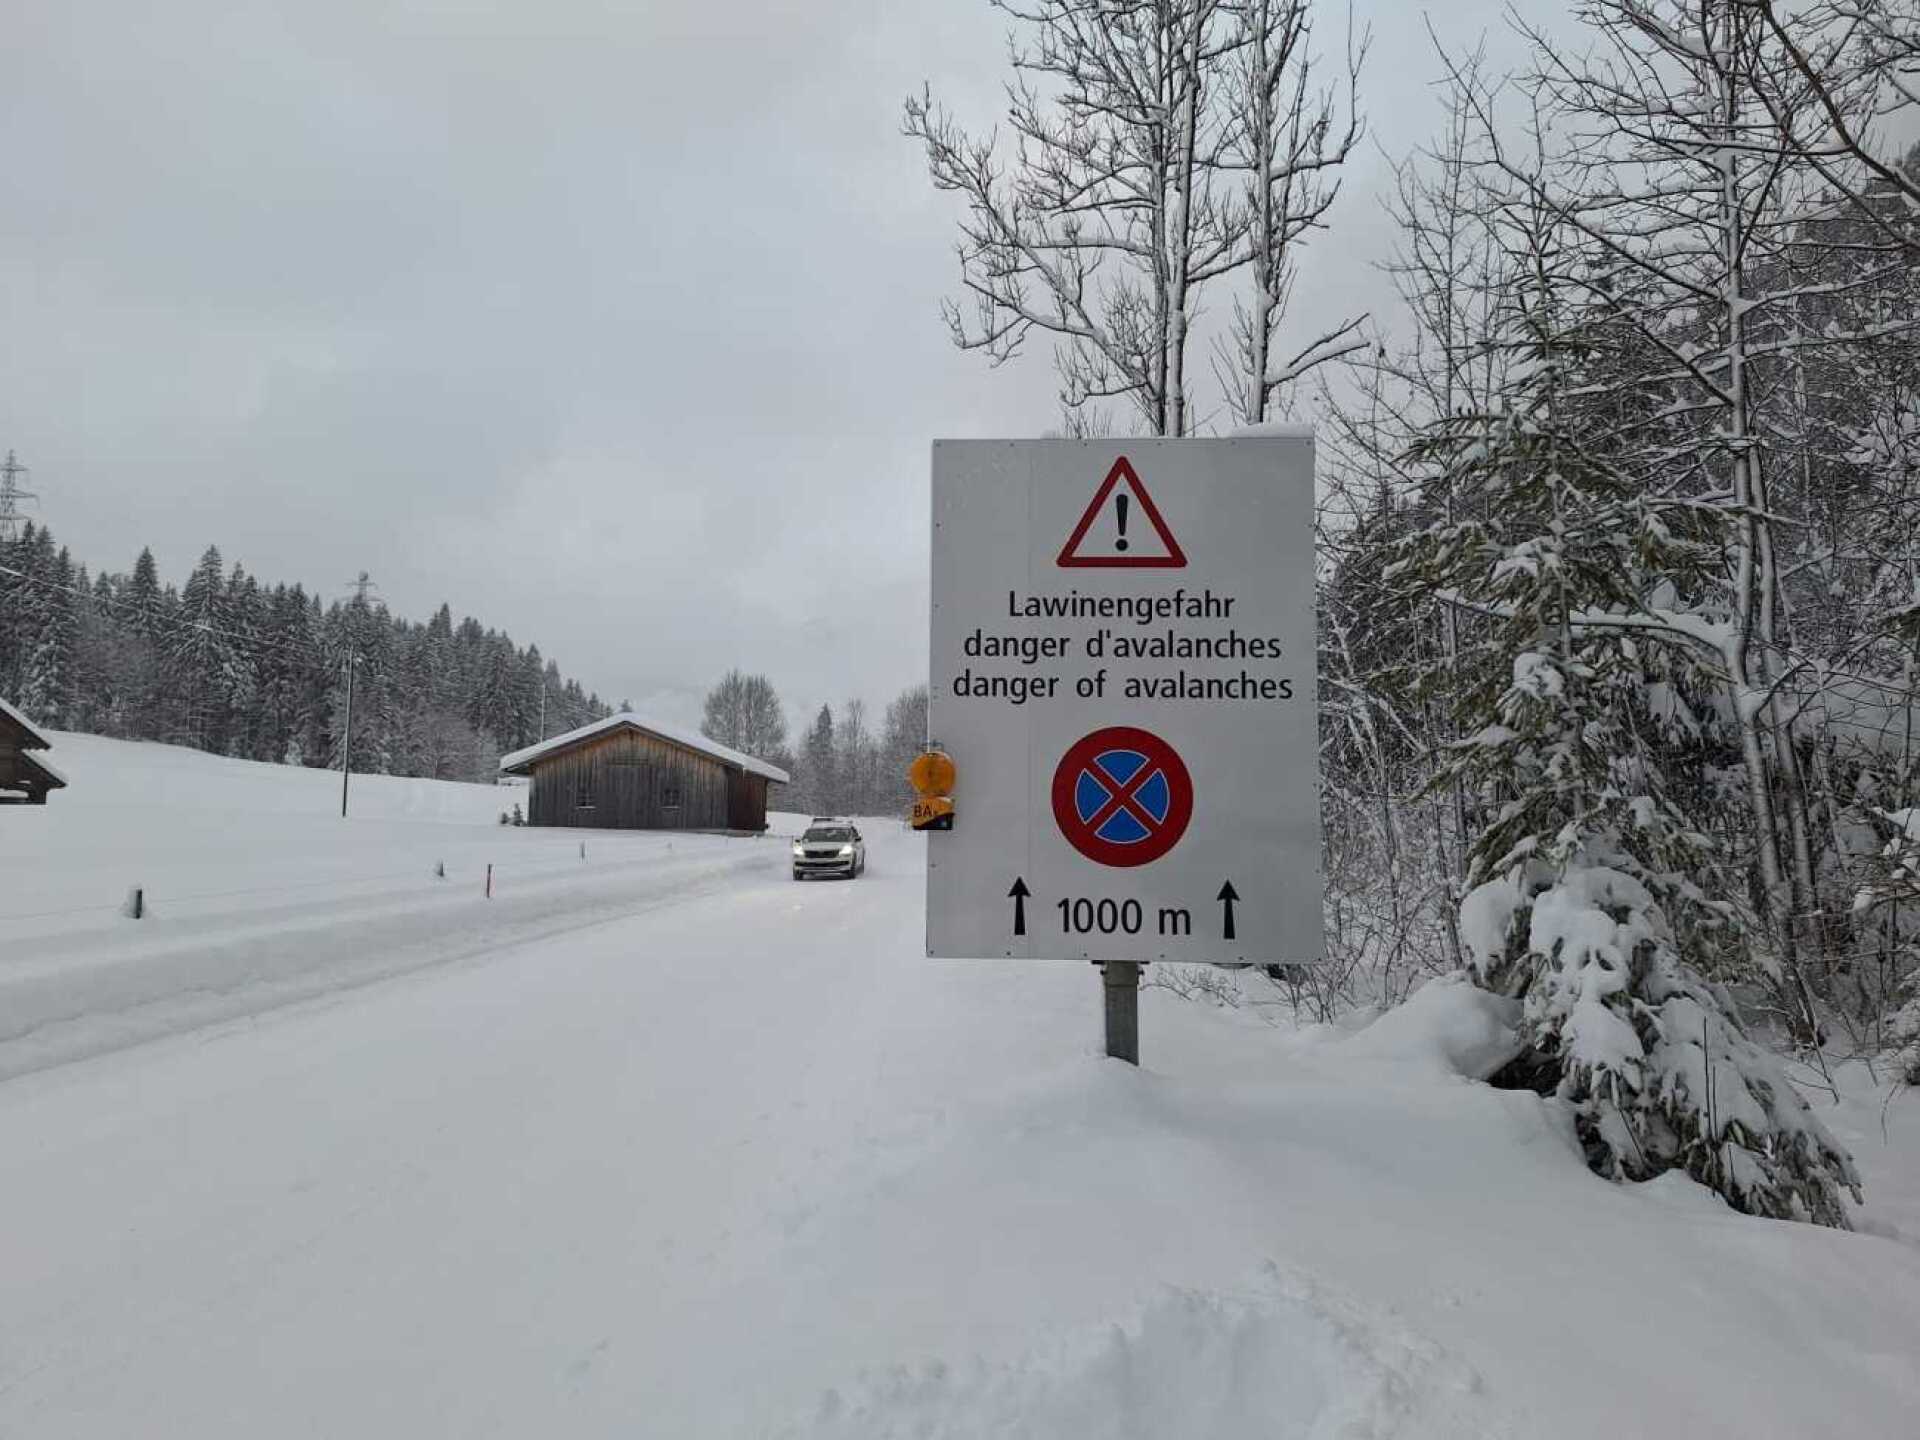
1122	796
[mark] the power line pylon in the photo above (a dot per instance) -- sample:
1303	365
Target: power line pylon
10	497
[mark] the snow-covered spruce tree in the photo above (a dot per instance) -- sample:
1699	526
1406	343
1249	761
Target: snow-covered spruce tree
1587	901
44	625
819	788
47	689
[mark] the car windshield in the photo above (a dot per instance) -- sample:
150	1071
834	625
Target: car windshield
834	834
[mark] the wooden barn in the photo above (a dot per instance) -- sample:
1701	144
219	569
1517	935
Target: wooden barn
25	778
625	773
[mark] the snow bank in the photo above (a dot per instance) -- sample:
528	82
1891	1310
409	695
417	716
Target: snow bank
127	775
1448	1025
1278	1359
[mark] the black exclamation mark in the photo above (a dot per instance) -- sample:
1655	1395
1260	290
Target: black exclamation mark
1121	501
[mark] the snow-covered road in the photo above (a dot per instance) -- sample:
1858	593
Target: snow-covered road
745	1163
501	1198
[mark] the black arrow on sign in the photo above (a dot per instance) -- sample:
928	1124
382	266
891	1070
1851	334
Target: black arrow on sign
1019	895
1226	897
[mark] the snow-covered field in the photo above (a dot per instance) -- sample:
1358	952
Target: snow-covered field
256	892
659	1143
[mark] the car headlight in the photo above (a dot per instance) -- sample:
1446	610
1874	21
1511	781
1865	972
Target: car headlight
846	850
798	850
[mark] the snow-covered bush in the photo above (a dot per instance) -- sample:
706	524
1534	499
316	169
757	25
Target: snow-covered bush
1658	1072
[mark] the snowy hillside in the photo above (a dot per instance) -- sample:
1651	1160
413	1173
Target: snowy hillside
256	892
681	1148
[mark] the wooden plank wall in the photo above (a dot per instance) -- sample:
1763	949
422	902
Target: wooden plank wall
12	742
631	775
18	776
747	801
13	774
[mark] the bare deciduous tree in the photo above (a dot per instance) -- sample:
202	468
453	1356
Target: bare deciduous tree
1677	175
1146	158
1843	75
1287	142
744	712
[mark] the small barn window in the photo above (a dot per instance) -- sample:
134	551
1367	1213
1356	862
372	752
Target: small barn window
669	796
583	793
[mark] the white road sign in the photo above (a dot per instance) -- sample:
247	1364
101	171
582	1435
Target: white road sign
1123	674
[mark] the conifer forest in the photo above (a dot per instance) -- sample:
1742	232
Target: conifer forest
230	664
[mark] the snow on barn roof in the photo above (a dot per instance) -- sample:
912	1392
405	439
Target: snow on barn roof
517	762
35	740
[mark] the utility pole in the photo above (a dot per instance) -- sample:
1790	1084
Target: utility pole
346	751
10	496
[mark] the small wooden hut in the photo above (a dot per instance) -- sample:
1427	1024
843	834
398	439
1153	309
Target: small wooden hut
625	773
25	778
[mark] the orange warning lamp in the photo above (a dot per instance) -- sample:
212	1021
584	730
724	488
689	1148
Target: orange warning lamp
932	775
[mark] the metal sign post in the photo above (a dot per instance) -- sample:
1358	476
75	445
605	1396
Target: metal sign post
1120	983
1122	649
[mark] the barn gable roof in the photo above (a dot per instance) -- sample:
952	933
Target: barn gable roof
54	779
34	739
518	762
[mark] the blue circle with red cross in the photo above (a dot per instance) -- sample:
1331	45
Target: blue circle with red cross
1122	796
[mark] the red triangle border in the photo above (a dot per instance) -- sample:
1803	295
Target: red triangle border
1174	559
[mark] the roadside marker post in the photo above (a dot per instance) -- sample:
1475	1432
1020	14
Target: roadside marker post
1122	646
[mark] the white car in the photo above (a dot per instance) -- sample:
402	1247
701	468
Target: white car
831	846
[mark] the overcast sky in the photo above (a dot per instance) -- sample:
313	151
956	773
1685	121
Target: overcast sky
612	324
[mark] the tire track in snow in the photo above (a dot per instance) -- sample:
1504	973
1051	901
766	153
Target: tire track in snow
179	983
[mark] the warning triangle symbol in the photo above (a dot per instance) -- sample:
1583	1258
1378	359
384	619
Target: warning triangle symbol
1122	529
